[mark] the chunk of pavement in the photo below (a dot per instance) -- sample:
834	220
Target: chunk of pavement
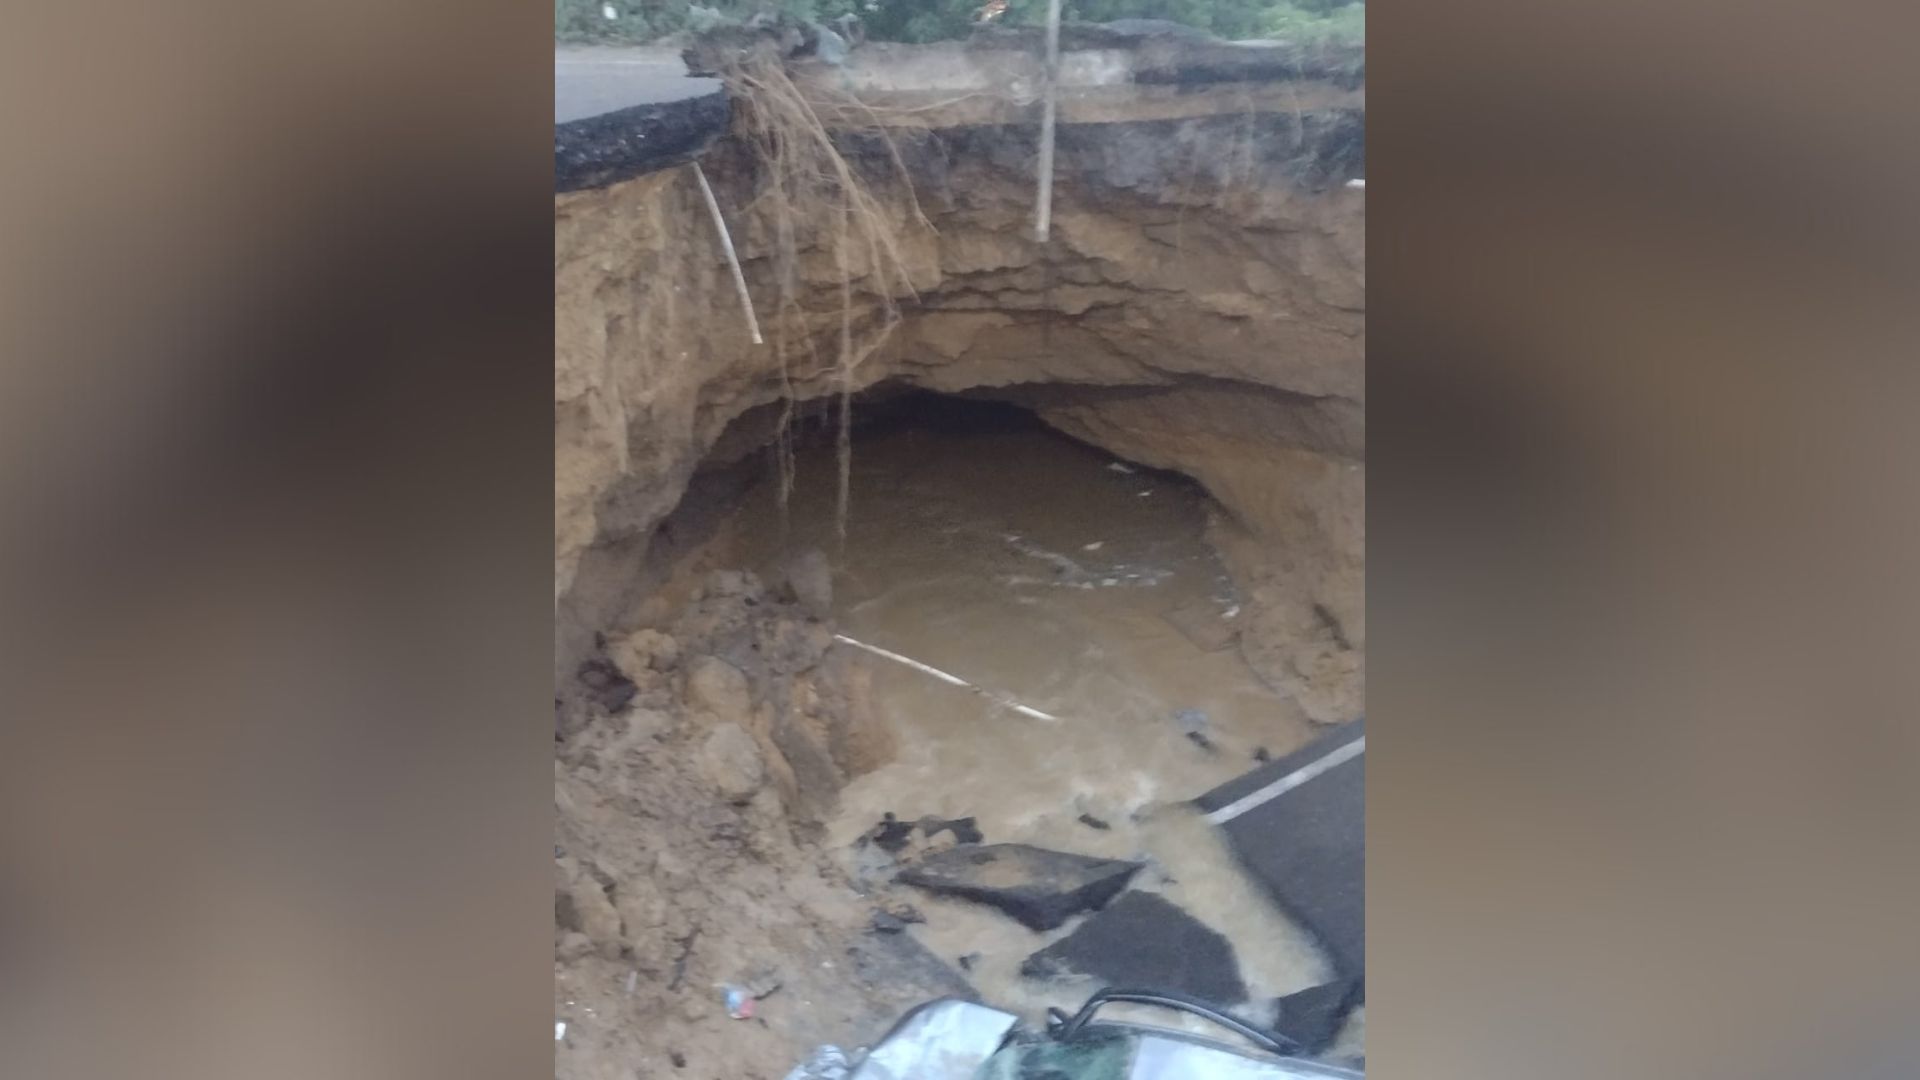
1313	1017
1298	824
1142	939
1040	888
1202	623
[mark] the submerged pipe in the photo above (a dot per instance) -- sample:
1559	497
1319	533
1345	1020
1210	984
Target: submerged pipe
949	678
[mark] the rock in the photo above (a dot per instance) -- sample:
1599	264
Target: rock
1144	940
1040	888
1092	822
730	760
885	923
643	651
1313	1017
605	685
720	688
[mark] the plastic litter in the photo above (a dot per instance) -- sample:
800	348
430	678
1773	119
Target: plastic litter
1095	546
1119	468
559	1030
828	1062
739	1002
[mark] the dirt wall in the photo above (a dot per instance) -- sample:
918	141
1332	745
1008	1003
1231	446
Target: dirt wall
1211	266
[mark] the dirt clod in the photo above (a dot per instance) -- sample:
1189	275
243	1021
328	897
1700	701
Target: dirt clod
719	688
730	759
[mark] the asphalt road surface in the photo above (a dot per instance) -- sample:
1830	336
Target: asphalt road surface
591	79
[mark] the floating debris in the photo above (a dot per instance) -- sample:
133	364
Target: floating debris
946	677
1118	467
1095	546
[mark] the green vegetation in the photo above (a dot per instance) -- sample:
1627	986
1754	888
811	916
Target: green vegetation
638	21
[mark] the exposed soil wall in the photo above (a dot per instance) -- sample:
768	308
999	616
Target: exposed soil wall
1211	265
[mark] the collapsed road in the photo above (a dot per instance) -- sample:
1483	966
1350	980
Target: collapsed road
1114	478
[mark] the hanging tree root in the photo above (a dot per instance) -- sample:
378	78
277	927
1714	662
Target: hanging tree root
806	183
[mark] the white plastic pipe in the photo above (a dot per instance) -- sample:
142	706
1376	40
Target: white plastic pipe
1043	201
726	245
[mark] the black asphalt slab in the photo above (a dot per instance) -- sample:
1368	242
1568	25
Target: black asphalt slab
1313	1017
1145	941
1040	888
1298	823
621	113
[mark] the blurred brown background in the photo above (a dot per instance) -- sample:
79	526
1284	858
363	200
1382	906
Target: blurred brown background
1643	797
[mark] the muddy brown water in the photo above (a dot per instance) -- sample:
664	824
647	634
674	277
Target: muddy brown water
1041	569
